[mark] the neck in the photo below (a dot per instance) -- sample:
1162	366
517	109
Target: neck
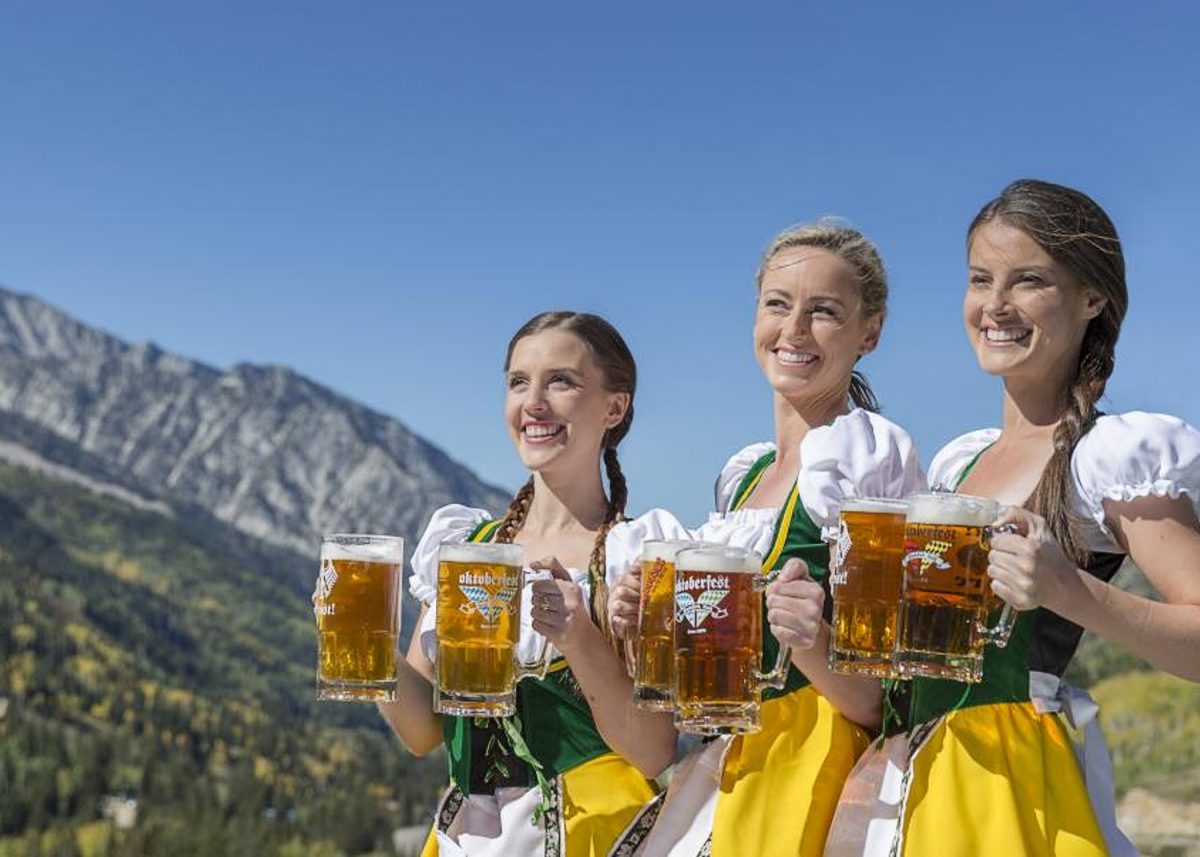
794	419
1032	409
566	502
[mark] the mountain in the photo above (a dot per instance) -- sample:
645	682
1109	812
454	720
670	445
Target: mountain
162	666
259	447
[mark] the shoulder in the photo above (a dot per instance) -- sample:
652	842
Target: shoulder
952	459
735	471
1124	457
453	523
860	454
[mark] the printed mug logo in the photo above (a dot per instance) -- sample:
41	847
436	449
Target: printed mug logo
694	611
482	601
931	556
841	550
325	581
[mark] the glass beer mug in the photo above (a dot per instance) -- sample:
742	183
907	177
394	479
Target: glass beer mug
654	644
866	566
944	606
476	669
718	641
356	603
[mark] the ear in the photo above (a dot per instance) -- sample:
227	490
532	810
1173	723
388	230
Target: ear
618	406
870	340
1093	304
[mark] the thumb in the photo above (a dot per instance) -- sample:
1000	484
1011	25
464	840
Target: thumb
793	569
1022	520
552	565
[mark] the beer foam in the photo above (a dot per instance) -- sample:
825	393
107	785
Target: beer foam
482	553
388	549
723	560
961	509
885	505
664	550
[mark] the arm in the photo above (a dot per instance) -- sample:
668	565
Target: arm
560	612
794	605
1162	537
411	716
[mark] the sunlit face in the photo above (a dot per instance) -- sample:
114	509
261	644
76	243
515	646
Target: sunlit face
809	328
1025	313
557	407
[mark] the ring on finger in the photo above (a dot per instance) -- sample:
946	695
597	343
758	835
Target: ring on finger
543	603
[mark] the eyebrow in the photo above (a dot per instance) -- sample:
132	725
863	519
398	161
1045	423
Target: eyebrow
563	369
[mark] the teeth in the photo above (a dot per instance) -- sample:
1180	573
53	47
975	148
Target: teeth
541	431
794	357
1005	334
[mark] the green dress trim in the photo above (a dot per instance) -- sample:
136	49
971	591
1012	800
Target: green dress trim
795	536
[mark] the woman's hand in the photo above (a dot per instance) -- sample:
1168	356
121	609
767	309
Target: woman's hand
623	601
560	609
1028	567
794	606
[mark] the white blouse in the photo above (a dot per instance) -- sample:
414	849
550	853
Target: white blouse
1122	457
859	454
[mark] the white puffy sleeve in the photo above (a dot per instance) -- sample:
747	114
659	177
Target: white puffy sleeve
860	454
735	471
453	523
624	543
951	460
1128	456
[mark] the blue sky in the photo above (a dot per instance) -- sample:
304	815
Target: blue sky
377	194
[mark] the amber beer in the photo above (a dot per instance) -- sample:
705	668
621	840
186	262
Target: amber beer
718	641
945	600
865	577
356	603
478	626
654	646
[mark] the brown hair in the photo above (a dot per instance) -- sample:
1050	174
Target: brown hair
857	251
616	363
1075	231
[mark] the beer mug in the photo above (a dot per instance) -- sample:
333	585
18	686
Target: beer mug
476	669
654	644
945	600
718	641
866	565
356	604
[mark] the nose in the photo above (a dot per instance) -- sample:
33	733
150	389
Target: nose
995	301
796	326
535	400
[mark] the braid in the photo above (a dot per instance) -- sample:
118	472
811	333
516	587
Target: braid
514	518
598	564
1052	497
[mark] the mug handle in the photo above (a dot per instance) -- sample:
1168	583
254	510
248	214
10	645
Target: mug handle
538	667
777	677
999	633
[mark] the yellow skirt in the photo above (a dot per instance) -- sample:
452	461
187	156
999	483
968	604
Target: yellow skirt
999	781
780	786
596	801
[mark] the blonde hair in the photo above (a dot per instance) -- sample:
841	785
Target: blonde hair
857	251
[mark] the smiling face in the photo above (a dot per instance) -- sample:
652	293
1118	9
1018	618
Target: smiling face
810	327
558	407
1025	313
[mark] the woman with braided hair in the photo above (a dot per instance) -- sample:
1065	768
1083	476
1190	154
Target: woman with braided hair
990	768
573	767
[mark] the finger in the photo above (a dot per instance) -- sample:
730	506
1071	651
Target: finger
552	565
793	569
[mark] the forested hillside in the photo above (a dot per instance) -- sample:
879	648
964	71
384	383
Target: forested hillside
167	663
